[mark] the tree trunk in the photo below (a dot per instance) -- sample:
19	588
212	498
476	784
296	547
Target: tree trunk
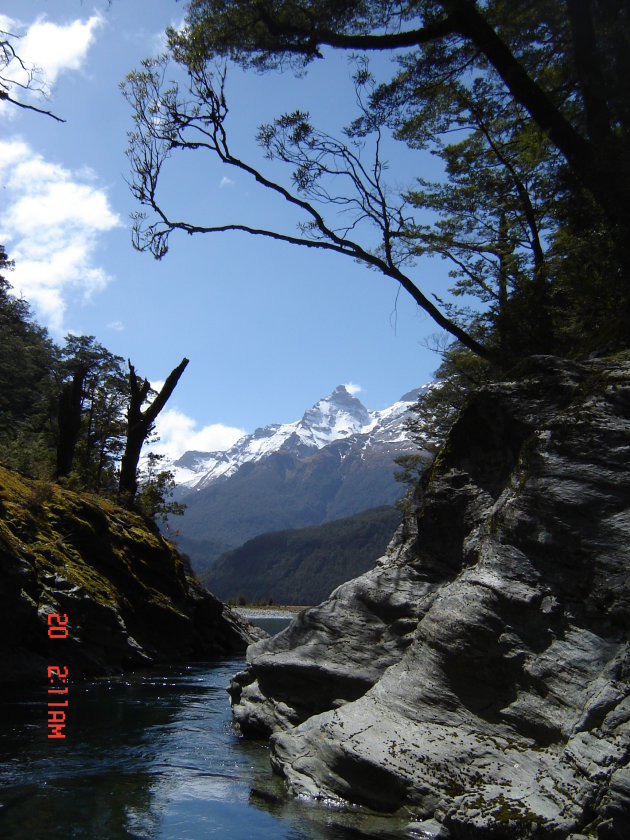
503	326
601	165
69	421
139	425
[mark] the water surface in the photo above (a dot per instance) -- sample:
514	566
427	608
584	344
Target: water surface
150	756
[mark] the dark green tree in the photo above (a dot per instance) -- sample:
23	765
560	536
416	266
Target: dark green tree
70	412
432	416
493	215
90	418
27	359
156	489
105	434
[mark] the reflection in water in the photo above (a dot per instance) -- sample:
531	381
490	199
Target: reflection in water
151	755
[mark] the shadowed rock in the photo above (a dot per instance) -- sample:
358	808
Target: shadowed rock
476	682
129	598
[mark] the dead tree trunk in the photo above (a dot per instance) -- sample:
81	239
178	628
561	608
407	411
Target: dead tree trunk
139	425
69	420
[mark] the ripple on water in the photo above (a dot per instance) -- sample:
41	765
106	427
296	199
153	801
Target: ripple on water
152	756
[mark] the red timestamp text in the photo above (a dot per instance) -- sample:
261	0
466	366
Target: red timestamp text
58	681
57	626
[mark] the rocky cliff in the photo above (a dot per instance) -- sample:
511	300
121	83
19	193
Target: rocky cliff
475	683
128	598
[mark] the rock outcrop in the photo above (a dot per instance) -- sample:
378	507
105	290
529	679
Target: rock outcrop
128	597
476	683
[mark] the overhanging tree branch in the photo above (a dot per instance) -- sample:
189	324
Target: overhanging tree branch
4	96
8	56
164	125
308	41
260	32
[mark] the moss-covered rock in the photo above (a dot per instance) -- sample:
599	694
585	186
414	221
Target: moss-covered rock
129	597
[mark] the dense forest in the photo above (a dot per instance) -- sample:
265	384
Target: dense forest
72	413
302	565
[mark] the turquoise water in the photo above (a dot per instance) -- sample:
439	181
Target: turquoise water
151	756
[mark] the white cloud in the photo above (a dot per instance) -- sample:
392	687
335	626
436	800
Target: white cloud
352	389
157	385
160	41
117	326
12	151
178	433
48	49
225	182
50	224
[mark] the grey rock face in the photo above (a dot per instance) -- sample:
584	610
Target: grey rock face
476	683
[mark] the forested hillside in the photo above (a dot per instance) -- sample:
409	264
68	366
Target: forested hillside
303	566
73	413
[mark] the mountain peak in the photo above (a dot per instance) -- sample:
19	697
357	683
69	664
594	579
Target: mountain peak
341	398
336	416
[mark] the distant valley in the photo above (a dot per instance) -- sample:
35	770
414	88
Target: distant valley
303	565
333	463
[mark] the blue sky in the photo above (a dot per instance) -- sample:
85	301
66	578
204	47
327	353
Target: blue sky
268	328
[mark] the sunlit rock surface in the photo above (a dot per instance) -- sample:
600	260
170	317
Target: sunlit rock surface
475	683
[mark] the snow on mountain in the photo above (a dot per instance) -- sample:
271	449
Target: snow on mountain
335	417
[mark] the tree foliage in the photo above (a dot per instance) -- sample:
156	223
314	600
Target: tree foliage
27	387
92	398
525	104
431	417
493	216
69	412
156	489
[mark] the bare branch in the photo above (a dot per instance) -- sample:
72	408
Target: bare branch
165	124
8	56
4	96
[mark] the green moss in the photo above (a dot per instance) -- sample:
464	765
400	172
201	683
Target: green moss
438	461
506	811
142	535
621	357
93	544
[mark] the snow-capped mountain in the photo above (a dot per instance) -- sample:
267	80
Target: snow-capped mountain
338	460
336	417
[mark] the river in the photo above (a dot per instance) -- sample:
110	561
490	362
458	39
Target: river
149	756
